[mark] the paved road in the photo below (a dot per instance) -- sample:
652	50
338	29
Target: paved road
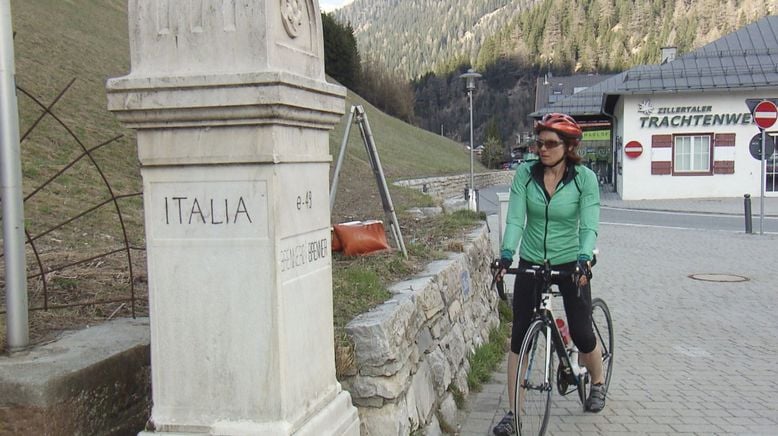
685	220
487	198
691	357
734	222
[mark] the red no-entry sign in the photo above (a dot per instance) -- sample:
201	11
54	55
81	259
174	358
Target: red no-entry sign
633	149
765	114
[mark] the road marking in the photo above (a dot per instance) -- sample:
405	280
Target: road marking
653	226
669	212
691	351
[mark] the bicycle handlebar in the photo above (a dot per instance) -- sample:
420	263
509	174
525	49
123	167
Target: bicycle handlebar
536	270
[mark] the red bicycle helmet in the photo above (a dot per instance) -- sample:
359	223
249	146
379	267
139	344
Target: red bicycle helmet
564	125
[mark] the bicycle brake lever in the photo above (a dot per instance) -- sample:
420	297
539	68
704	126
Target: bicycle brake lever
498	282
501	290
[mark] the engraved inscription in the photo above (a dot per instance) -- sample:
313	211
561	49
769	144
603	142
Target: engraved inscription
228	12
292	13
196	16
193	210
163	17
178	16
213	209
303	253
305	201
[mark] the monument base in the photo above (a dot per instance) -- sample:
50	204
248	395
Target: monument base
338	418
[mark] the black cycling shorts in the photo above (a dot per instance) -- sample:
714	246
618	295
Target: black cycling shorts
577	309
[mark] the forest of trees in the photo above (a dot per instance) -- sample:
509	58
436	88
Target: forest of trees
384	88
341	55
564	35
418	36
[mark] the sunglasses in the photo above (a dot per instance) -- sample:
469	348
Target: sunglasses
549	143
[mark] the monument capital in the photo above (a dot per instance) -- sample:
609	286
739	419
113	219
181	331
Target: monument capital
224	99
196	37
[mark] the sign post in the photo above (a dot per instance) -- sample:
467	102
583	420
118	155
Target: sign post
765	113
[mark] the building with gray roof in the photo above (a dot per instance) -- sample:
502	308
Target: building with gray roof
685	122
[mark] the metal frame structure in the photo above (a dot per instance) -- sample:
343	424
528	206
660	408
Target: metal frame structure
358	112
18	312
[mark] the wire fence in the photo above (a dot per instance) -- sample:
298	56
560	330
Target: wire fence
68	265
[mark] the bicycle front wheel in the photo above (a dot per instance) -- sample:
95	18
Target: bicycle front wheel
603	330
533	381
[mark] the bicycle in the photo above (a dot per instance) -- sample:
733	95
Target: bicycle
541	343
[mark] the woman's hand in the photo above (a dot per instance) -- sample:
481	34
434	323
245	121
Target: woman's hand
583	271
504	265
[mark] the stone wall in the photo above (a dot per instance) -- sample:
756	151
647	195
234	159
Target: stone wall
94	381
410	353
454	186
412	350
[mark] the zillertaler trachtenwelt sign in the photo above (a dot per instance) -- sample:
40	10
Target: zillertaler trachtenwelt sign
688	116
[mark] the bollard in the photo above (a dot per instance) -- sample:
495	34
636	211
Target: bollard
747	207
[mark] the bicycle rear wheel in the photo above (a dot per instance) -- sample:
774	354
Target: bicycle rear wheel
603	330
533	381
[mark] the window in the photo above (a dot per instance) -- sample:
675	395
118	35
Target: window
691	154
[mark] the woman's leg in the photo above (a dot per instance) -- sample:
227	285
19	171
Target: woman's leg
523	305
578	309
593	363
513	362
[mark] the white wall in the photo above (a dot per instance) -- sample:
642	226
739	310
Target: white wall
638	182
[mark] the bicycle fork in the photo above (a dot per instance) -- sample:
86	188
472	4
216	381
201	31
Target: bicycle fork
527	367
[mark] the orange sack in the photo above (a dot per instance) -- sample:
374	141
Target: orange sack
361	237
336	245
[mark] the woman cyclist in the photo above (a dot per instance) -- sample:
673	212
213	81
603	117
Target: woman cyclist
554	210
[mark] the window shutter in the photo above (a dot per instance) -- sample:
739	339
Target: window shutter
724	153
661	154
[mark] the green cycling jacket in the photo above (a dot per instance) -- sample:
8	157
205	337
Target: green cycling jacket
559	229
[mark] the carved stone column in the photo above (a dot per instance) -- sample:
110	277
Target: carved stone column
232	114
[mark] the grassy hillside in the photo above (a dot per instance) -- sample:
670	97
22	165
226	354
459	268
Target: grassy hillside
56	42
405	152
61	40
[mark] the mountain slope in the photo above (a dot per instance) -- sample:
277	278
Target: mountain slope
414	36
57	41
405	151
418	36
61	40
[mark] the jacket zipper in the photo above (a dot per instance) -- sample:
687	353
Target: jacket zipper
545	233
559	186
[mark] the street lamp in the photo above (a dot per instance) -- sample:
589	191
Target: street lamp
470	77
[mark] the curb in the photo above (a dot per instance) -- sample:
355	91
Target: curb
702	212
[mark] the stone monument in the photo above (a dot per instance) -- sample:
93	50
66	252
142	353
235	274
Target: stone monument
232	113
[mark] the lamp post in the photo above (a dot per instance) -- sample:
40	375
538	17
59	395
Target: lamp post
470	76
17	328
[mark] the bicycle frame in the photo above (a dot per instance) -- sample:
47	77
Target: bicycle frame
544	313
573	372
534	373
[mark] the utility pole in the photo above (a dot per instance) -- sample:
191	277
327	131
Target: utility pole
17	328
470	77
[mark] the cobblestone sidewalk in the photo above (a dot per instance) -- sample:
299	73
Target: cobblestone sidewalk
691	356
